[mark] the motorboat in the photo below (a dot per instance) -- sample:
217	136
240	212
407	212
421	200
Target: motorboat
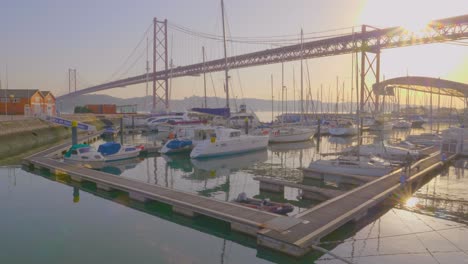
343	128
154	122
372	166
290	134
172	125
113	151
418	122
110	131
402	124
264	204
85	155
186	138
228	141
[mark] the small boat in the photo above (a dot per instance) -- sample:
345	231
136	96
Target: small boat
187	137
264	204
372	166
227	141
84	154
418	122
177	145
402	124
343	128
110	131
113	151
290	134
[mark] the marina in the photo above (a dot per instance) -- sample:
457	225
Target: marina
227	135
292	235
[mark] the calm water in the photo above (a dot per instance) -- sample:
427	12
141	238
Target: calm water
49	219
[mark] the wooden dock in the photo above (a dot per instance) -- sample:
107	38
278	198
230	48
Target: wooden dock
293	235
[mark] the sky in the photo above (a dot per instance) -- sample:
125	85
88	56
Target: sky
42	39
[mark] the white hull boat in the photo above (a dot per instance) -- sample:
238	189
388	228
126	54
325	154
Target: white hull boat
228	142
293	134
364	167
343	131
402	125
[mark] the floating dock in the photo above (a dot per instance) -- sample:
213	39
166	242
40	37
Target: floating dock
293	235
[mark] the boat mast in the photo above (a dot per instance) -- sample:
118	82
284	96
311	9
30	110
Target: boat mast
302	76
204	75
147	74
226	74
272	98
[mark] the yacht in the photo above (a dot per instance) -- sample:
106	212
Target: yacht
372	166
228	141
343	128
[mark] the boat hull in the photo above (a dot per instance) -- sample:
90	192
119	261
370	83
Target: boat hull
327	167
342	131
214	148
294	137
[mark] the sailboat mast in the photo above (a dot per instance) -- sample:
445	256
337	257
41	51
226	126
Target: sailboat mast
282	90
204	75
294	90
147	74
302	76
272	98
226	73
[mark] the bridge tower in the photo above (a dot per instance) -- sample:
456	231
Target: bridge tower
160	62
370	74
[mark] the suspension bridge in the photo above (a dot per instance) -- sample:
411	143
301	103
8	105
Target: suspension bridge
369	42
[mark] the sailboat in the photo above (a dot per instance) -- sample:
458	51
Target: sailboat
292	134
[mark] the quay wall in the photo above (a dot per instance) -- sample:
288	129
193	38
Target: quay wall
22	136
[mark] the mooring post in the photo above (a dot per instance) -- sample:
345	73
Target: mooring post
74	132
121	131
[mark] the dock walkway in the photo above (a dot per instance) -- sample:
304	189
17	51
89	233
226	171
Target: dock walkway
326	217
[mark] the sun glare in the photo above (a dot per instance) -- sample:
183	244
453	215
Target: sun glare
411	202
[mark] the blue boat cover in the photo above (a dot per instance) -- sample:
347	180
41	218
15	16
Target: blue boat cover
109	148
225	111
178	144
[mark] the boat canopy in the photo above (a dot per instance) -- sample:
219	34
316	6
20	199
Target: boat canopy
109	148
225	111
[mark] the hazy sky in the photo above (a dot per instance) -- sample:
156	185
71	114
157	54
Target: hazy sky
40	40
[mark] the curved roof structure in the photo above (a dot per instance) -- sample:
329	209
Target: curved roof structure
422	84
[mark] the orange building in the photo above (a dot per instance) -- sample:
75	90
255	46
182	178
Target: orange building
26	102
102	108
48	105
